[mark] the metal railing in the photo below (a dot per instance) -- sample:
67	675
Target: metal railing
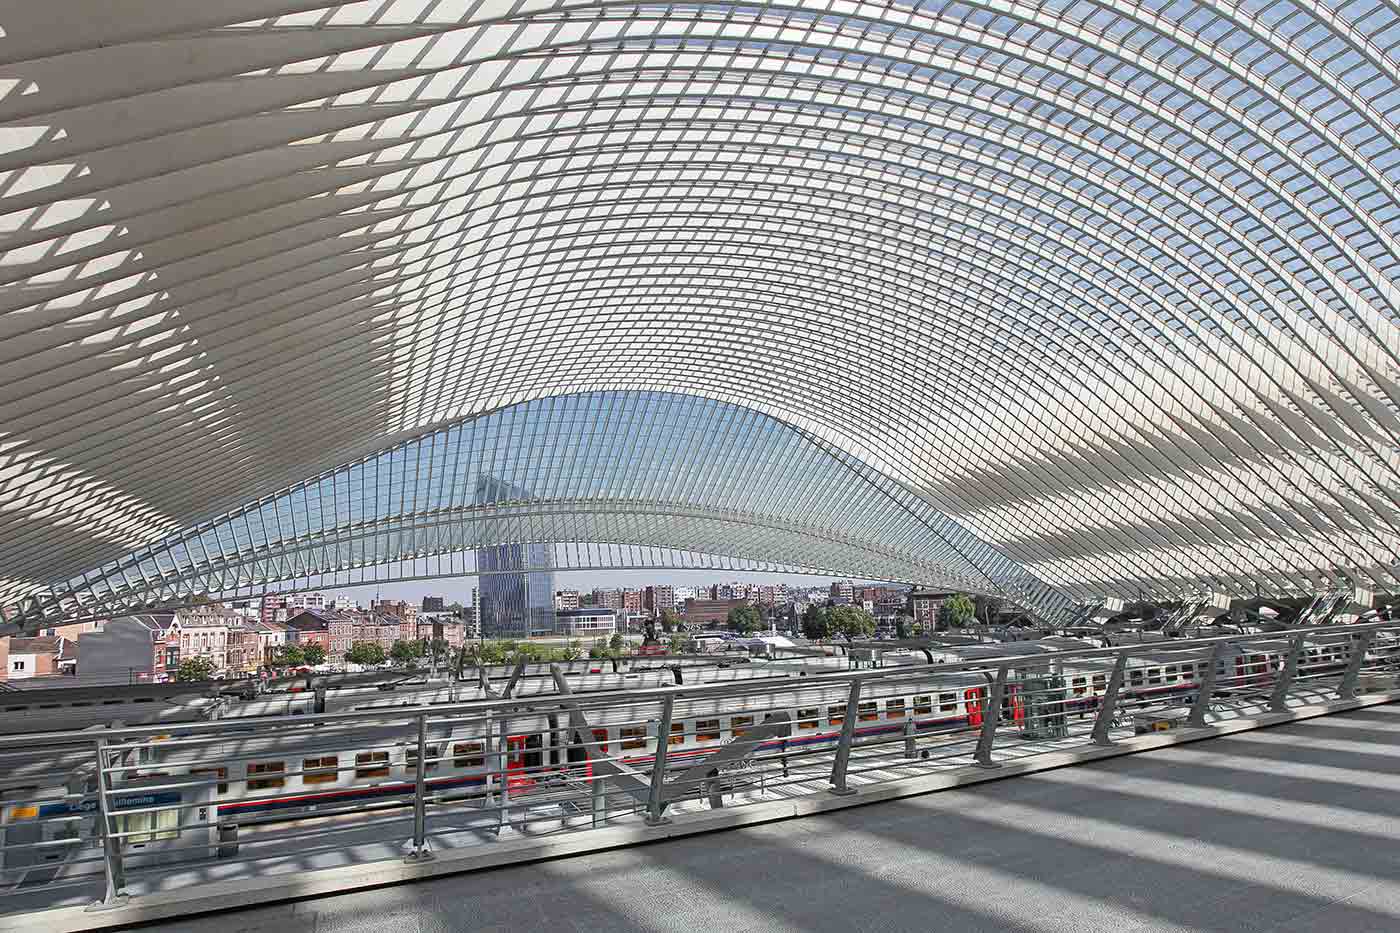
94	815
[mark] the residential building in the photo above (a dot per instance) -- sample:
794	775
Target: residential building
271	604
131	649
565	600
298	601
710	611
243	651
209	632
309	628
433	604
394	607
33	657
450	629
630	600
659	598
73	630
271	636
928	608
341	628
842	592
607	599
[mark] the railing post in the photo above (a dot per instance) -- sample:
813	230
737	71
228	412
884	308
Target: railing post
1347	689
1278	703
1109	704
599	791
991	718
843	747
502	770
114	895
1201	706
658	763
420	851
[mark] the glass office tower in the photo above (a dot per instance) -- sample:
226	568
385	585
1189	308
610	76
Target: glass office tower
516	586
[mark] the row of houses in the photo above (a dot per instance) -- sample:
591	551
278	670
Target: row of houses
148	648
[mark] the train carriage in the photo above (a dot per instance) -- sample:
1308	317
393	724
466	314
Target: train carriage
242	778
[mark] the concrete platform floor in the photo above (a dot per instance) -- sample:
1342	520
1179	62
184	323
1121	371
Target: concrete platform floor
1294	828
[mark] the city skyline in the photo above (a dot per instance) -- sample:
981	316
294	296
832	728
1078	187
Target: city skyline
459	589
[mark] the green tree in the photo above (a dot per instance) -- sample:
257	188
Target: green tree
406	652
677	644
314	654
288	656
669	621
852	622
959	610
573	652
493	652
816	622
195	669
744	619
901	627
617	642
368	653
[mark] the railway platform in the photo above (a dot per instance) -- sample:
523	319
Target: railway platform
1284	829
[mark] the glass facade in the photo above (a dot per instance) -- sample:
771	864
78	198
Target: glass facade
516	604
1054	299
516	593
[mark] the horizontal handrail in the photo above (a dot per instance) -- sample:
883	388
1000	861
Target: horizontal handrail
753	686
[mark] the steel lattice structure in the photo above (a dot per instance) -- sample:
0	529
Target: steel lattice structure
1050	299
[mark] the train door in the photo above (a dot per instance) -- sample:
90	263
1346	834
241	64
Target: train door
1258	668
973	701
1013	705
524	757
579	767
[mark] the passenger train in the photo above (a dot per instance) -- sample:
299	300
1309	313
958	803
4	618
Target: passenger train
249	777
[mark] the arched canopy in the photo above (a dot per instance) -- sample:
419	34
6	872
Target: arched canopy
1108	287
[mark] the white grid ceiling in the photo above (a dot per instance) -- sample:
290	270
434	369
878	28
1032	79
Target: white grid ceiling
1108	287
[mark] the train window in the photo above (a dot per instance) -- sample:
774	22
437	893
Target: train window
321	770
467	755
923	705
1154	675
1186	672
149	827
372	764
430	762
947	702
1135	676
274	771
220	773
1080	685
677	736
894	709
837	714
1169	673
737	724
869	711
633	737
1100	683
706	730
809	718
